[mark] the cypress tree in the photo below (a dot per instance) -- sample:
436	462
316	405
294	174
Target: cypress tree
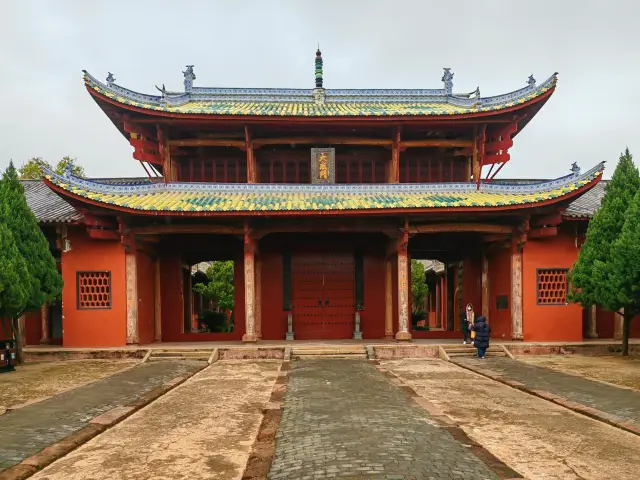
14	281
591	276
44	281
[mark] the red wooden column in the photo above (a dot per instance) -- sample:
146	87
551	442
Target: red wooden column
249	287
516	290
485	286
44	318
388	291
157	312
252	171
258	290
403	287
131	276
438	295
394	166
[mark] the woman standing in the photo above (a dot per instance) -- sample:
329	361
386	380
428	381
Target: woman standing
466	322
483	333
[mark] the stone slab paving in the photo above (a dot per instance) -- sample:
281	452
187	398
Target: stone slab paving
26	431
344	419
202	429
538	439
621	402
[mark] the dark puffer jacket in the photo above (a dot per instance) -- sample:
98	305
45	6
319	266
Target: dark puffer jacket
483	331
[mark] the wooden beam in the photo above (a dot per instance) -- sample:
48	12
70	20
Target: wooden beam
172	229
207	142
555	219
259	142
495	237
437	142
460	227
252	174
388	230
543	232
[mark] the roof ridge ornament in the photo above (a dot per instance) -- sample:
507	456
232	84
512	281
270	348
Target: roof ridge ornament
110	79
447	78
575	169
189	77
531	81
319	94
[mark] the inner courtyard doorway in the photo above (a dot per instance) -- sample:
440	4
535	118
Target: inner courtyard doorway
323	295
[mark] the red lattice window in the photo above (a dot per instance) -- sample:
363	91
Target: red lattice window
94	290
552	286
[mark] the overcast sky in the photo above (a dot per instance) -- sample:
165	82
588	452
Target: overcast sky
594	45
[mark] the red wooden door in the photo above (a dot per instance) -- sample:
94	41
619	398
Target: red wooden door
323	296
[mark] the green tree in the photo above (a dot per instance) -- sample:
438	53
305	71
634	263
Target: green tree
593	279
33	168
14	281
63	164
220	286
419	288
45	283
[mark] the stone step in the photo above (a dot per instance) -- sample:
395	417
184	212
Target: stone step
463	349
181	353
328	351
330	355
164	359
472	354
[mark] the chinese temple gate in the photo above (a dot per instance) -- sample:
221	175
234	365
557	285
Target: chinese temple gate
321	198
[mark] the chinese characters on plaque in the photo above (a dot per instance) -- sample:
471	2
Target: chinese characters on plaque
323	165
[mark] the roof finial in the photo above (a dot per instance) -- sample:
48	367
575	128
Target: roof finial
110	79
447	78
531	81
189	77
575	169
318	67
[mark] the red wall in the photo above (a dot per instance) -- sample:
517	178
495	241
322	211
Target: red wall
274	319
146	296
471	286
605	324
93	328
372	317
33	327
542	323
500	284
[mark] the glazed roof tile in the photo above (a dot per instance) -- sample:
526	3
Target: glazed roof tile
46	205
317	102
241	198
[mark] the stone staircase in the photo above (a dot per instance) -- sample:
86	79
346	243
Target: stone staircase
457	351
157	355
350	352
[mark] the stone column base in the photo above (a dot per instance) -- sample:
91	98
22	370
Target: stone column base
592	335
405	336
388	336
518	337
249	337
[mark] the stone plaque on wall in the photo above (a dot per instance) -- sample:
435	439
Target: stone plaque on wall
323	165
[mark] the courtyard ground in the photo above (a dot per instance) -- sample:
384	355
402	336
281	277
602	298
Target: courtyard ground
202	429
615	369
28	430
538	439
33	382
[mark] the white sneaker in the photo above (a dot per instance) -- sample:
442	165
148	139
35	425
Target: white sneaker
464	343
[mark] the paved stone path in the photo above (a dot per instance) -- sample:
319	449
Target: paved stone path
344	419
28	430
200	430
616	401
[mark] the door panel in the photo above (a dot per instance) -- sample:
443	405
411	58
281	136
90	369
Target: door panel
323	296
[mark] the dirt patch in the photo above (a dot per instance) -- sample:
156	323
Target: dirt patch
616	370
38	381
534	437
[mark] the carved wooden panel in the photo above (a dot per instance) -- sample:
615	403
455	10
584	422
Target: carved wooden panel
551	286
93	290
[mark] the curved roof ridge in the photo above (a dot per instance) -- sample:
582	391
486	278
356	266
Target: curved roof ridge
317	102
68	181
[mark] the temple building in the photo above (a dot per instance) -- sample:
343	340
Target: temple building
320	198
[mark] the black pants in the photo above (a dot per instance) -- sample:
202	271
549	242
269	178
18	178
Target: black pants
465	332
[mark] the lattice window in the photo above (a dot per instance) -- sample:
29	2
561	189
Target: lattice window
94	290
552	286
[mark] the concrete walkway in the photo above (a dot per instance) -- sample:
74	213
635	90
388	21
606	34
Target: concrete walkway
344	419
30	429
619	402
200	430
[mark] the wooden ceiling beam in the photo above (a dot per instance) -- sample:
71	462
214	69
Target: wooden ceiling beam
207	142
460	227
437	142
173	229
259	142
